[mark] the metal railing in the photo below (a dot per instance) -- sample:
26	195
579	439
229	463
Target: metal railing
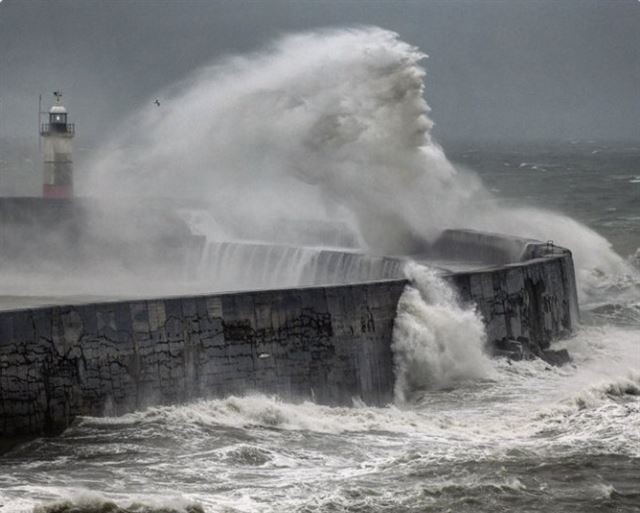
68	129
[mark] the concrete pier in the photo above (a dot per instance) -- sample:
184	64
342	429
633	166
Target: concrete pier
326	343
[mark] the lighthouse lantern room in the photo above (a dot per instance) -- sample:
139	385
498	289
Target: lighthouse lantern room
58	165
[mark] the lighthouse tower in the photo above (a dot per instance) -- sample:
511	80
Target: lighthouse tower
58	166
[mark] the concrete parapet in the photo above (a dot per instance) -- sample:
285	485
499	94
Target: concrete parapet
491	248
530	303
483	247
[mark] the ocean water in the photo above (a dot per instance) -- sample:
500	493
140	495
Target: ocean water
520	436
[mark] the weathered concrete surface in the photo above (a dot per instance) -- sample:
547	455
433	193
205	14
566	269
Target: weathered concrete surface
527	300
330	344
525	306
326	343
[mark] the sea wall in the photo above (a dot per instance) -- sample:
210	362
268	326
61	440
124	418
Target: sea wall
527	301
326	343
525	306
329	344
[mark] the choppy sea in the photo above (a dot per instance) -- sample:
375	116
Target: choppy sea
528	437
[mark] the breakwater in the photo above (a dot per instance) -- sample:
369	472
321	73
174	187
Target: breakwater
326	343
527	299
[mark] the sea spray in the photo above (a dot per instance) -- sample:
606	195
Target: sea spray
328	124
437	341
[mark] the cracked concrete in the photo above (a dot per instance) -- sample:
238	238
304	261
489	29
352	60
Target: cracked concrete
329	343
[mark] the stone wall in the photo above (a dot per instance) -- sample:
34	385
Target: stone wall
525	306
329	344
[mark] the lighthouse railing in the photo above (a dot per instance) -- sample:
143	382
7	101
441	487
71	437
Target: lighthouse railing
68	129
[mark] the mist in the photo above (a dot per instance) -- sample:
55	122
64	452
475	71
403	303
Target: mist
329	124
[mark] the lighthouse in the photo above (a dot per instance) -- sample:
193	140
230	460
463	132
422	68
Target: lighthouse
58	166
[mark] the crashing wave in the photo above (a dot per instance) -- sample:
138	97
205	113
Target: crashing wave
97	504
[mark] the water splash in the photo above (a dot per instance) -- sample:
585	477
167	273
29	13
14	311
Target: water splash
331	125
437	342
228	266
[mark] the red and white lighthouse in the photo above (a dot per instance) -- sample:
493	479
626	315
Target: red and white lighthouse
58	165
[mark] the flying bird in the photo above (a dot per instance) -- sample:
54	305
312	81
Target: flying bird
157	102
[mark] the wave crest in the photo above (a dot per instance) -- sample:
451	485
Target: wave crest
96	504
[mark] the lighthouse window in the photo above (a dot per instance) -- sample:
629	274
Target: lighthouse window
58	118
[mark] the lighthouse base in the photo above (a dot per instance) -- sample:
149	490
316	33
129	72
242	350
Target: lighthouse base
57	191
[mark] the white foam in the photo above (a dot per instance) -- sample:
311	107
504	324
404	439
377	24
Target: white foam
70	499
436	341
258	410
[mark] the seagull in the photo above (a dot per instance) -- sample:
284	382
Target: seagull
157	102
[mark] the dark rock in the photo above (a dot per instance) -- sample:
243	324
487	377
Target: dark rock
524	350
558	357
512	349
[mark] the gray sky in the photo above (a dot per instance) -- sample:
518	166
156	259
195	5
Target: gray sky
501	69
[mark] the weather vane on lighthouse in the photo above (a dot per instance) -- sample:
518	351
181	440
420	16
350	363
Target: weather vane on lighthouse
58	165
